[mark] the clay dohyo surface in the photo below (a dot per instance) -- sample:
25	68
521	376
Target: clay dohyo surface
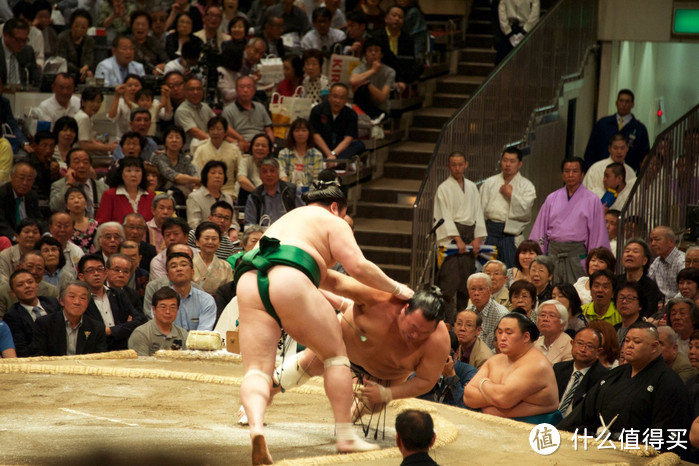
71	419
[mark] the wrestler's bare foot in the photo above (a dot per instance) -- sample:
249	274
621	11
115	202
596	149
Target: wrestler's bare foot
242	416
260	453
354	445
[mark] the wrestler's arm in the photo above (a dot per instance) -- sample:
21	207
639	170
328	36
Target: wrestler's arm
341	284
428	370
338	303
472	396
522	383
345	250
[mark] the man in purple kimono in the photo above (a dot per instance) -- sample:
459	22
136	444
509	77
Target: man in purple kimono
570	223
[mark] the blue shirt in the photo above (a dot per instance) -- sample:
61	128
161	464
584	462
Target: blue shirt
197	311
114	74
273	206
146	154
6	341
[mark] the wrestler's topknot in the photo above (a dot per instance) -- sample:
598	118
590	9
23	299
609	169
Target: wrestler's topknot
325	193
430	301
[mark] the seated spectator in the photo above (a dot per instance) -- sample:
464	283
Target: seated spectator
55	270
147	49
246	116
398	48
29	307
176	168
300	159
666	406
61	227
691	257
40	17
335	126
123	103
602	286
683	316
374	14
238	29
28	233
217	148
249	165
138	277
497	271
22	202
415	436
315	85
158	31
597	259
576	377
116	68
668	260
135	229
182	34
7	346
108	305
293	76
228	74
229	12
171	96
211	35
69	332
154	284
210	272
118	274
630	303
522	296
636	261
175	231
526	252
90	103
65	130
295	19
322	37
472	350
140	123
192	115
356	33
272	35
516	19
688	283
372	81
32	262
63	102
535	398
15	35
7	116
47	169
679	362
273	198
113	15
108	238
253	53
565	294
213	177
161	332
414	24
128	196
610	354
611	220
85	227
541	276
197	308
618	148
248	240
77	47
554	343
615	191
478	285
163	208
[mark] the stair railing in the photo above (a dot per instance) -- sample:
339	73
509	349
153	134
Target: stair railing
501	108
667	183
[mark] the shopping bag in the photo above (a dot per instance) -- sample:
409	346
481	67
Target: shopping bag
271	70
340	68
281	115
299	107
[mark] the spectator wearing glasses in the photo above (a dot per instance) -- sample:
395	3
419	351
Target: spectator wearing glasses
119	272
17	63
161	332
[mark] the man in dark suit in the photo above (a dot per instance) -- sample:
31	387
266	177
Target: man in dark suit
398	48
22	315
414	437
22	68
69	332
20	201
134	229
119	272
576	377
111	307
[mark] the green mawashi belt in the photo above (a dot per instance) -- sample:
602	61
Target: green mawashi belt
269	254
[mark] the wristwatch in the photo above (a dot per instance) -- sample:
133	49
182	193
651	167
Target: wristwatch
332	152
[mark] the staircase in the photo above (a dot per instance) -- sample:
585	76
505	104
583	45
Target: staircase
383	221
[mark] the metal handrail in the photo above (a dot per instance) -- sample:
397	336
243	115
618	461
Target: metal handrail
666	184
502	108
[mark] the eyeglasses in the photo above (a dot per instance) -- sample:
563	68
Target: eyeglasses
176	265
22	40
222	217
135	227
118	270
92	270
165	307
627	299
589	346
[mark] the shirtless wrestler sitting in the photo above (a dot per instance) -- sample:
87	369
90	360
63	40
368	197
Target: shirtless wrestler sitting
387	340
519	382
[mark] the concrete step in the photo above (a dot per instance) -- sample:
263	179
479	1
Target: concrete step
387	255
383	210
383	232
475	68
475	54
420	134
479	26
405	171
479	40
391	191
449	100
432	117
457	84
480	14
411	152
397	272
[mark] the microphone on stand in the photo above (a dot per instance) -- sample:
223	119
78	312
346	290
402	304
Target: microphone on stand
439	223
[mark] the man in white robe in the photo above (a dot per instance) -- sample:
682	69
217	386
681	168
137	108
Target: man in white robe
507	199
457	202
618	149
